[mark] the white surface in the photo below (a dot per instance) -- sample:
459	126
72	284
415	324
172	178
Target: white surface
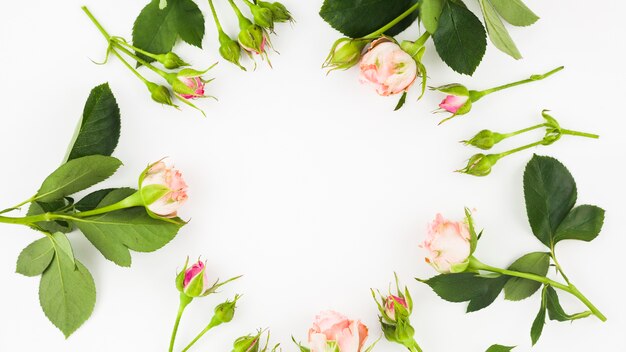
310	185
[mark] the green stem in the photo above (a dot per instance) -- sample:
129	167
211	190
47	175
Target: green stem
476	95
17	206
133	200
141	61
141	51
509	152
580	134
214	322
243	20
184	302
217	20
477	265
507	135
95	22
392	23
414	347
129	66
29	220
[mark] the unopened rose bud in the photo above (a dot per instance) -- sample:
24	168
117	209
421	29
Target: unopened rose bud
160	94
171	61
279	11
225	312
230	50
457	101
163	189
387	68
345	53
390	306
253	39
188	83
246	343
262	16
485	139
480	164
194	280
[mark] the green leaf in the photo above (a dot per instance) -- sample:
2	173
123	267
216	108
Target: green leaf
493	287
430	11
156	29
37	208
582	223
114	233
35	258
99	128
460	38
462	287
91	201
517	288
61	243
498	34
515	12
555	310
550	193
500	348
540	319
67	293
77	175
358	18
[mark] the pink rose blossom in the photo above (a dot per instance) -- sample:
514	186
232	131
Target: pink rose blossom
452	103
447	243
162	174
387	68
195	270
331	327
194	83
390	307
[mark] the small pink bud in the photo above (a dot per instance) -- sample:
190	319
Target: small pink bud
192	274
452	103
195	84
161	174
390	305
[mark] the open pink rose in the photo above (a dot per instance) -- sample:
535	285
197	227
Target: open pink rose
452	103
160	173
387	67
448	245
390	305
332	328
195	84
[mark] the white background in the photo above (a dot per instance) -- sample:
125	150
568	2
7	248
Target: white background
310	185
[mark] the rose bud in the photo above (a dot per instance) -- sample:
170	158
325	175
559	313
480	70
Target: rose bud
246	343
160	94
332	331
225	312
171	61
345	53
262	16
391	303
193	281
448	245
485	139
230	50
163	189
279	11
253	38
387	67
480	164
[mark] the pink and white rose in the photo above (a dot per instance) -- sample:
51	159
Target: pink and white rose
333	329
161	174
452	103
390	305
388	68
448	245
195	85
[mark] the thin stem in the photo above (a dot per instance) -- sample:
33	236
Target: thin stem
392	23
414	347
503	154
17	206
133	200
141	61
95	22
29	220
476	95
141	51
184	302
507	135
243	20
129	66
214	322
580	134
477	265
217	20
